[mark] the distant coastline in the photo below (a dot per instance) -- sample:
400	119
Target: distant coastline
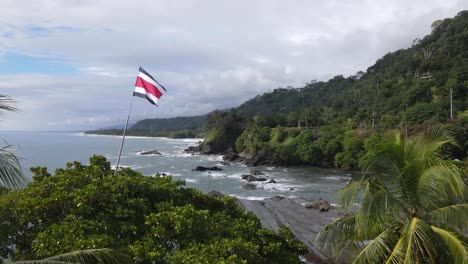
147	133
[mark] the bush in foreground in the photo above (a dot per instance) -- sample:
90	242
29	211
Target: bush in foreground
151	219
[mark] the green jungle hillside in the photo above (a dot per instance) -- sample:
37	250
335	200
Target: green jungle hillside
335	123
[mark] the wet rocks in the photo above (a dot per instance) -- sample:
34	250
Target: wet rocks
250	178
150	152
231	156
192	149
202	168
322	204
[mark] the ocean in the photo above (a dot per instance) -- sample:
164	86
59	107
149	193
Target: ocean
54	149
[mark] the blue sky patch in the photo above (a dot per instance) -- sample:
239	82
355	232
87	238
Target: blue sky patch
14	63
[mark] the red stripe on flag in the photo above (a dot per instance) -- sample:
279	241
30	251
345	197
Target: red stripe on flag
149	87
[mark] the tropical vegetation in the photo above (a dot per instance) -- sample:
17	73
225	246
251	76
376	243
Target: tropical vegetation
151	219
413	207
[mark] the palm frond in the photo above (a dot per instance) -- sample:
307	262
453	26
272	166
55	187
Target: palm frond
452	216
454	245
347	195
420	246
439	185
378	203
332	238
93	256
379	248
11	175
434	138
397	255
5	104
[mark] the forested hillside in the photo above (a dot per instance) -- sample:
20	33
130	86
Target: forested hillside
335	123
410	85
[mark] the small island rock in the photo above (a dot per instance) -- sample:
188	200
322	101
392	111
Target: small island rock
202	168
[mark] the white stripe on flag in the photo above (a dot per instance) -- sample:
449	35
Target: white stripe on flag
141	90
148	79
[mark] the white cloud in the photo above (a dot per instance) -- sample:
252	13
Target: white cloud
209	54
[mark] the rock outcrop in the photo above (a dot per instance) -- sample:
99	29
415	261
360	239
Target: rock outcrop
202	168
150	152
322	204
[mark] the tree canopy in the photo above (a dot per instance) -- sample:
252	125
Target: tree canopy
151	219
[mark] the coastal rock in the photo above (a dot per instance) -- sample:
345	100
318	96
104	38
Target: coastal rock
150	152
225	163
249	186
243	176
322	204
202	168
192	149
231	156
250	178
271	181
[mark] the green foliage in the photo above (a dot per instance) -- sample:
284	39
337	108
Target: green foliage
225	127
421	112
151	219
353	150
90	256
415	211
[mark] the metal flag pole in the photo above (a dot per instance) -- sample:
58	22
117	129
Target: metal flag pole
123	137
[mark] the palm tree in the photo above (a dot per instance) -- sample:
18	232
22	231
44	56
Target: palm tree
416	212
11	175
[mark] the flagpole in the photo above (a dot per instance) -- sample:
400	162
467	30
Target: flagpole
123	137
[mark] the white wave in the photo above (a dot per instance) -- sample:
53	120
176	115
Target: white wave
139	153
281	187
180	155
191	180
215	158
217	174
252	198
336	178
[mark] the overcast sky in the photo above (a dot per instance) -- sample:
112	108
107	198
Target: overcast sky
72	64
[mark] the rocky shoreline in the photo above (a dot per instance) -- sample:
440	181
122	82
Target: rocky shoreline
305	222
304	219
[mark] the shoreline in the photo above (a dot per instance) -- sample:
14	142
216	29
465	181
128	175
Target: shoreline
304	223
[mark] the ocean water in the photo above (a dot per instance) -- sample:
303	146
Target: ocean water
54	149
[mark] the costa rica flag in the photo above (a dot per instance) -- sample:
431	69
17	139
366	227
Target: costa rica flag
147	87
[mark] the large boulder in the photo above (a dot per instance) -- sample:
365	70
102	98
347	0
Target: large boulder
192	149
150	152
322	204
231	156
202	168
250	178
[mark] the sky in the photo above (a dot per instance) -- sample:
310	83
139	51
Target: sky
72	64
